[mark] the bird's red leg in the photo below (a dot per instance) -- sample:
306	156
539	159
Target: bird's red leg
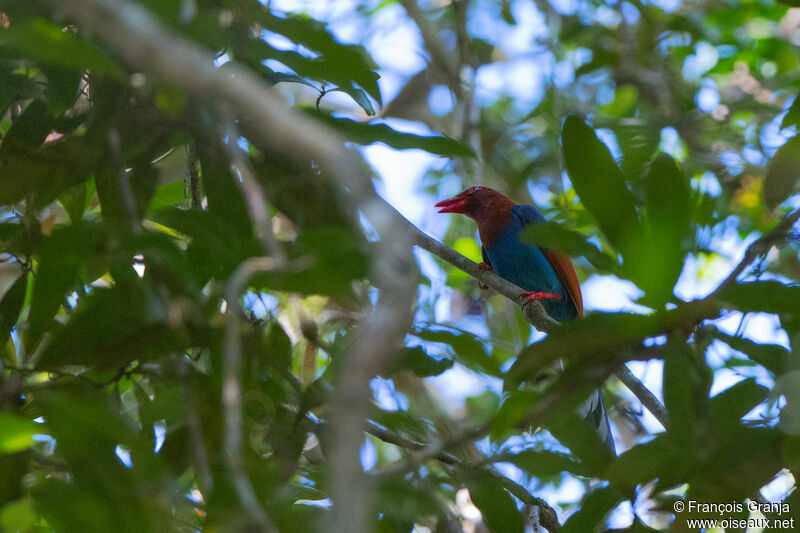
531	296
484	266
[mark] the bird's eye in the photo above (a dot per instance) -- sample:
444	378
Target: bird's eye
473	189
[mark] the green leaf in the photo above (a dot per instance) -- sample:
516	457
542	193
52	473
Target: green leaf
792	117
782	176
730	405
63	254
352	61
16	433
734	472
496	505
420	363
319	68
112	327
625	99
581	438
363	133
101	494
593	510
595	335
29	131
465	348
47	172
773	357
513	409
168	195
573	243
76	199
659	459
668	215
19	515
359	96
541	463
686	384
763	296
11	305
599	183
339	257
48	43
277	77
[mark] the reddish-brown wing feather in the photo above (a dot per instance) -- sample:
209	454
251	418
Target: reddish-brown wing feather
566	274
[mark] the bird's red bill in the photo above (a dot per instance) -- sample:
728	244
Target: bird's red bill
453	205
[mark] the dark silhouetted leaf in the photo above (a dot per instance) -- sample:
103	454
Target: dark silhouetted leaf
541	463
582	440
659	458
730	405
773	357
764	296
593	510
596	334
11	305
552	235
47	172
420	363
29	131
352	61
112	327
782	173
63	254
792	117
497	506
363	133
466	349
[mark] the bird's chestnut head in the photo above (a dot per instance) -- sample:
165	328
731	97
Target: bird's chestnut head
476	202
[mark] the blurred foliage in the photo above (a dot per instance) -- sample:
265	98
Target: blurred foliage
652	132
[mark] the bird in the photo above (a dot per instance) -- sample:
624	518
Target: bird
546	275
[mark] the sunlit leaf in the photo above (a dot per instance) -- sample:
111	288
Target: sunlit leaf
16	433
49	43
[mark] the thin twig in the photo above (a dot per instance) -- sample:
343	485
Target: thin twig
192	177
232	390
198	445
548	519
252	191
643	394
124	184
760	247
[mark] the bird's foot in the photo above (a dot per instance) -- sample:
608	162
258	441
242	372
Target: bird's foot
484	266
531	296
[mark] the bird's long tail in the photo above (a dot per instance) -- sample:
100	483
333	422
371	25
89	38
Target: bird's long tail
594	411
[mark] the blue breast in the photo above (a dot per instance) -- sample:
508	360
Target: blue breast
525	265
